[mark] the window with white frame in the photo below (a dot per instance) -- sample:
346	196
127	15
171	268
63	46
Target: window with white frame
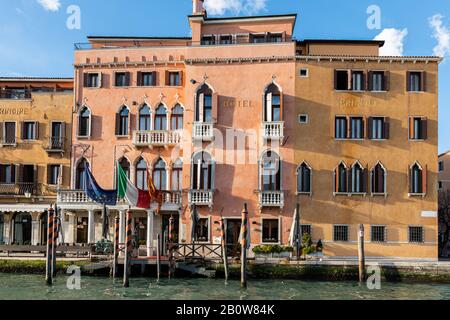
84	122
357	179
340	127
303	118
122	121
204	104
144	118
177	175
356	128
304	175
202	171
141	174
161	118
270	232
340	176
270	170
202	230
160	175
273	104
304	73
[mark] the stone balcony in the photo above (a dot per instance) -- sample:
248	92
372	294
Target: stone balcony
273	130
203	131
201	197
155	138
271	199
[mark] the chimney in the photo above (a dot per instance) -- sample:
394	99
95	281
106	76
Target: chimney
198	8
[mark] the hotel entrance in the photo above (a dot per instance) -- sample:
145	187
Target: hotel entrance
165	229
82	230
232	237
22	228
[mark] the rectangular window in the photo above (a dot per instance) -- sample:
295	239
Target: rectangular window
270	231
306	229
378	128
440	185
357	80
53	174
202	230
258	38
29	130
416	81
418	128
226	39
174	79
147	79
441	166
304	73
416	234
303	118
377	81
208	40
7	174
91	80
122	79
341	128
356	128
378	234
340	233
9	134
341	81
275	37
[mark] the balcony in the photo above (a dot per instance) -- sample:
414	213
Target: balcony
157	138
273	130
55	145
201	197
15	94
25	189
172	198
8	142
271	199
203	131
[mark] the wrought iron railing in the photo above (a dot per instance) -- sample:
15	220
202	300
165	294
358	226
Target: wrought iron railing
15	94
27	189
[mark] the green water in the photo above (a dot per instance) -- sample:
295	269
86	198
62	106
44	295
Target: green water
29	287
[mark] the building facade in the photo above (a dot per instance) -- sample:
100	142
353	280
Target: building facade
35	142
239	113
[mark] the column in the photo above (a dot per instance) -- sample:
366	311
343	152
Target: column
63	227
7	229
91	227
122	226
150	237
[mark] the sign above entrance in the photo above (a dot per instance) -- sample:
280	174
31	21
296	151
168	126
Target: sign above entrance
14	111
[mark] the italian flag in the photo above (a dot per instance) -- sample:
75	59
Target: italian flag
126	190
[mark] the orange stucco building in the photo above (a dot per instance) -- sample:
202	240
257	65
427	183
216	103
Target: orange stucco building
239	113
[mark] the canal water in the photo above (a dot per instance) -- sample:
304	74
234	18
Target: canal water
30	287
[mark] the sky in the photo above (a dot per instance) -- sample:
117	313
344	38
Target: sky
36	39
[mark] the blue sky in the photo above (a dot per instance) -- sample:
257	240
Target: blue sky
34	39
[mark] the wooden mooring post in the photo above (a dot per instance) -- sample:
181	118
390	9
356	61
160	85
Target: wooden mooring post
170	246
115	265
55	240
128	250
158	257
224	248
49	262
361	257
244	245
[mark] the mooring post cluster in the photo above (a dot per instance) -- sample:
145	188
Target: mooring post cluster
128	250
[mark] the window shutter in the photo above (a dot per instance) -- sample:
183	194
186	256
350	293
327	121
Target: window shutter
365	186
369	128
130	117
63	132
49	174
260	182
349	180
424	179
268	117
281	106
335	79
1	132
117	124
408	81
19	172
411	127
139	78
386	128
167	78
349	79
154	78
201	104
363	127
36	130
22	126
194	177
424	128
349	129
423	81
127	79
35	173
215	107
61	174
2	173
100	77
386	81
365	85
181	78
86	80
213	174
370	81
409	179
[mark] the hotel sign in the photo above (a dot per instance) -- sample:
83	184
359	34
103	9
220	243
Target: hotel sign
357	103
14	111
231	103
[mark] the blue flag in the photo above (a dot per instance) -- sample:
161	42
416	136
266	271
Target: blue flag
95	192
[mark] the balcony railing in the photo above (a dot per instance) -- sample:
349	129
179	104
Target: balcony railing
157	138
271	199
21	189
203	131
55	144
15	94
174	197
273	130
201	197
8	141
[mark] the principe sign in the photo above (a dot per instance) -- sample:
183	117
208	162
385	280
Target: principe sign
14	111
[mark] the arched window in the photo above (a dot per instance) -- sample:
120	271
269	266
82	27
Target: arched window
123	121
22	228
270	171
417	179
79	176
159	175
357	179
304	174
2	227
141	174
161	118
144	118
378	179
177	118
204	104
273	104
177	175
340	174
125	164
84	122
202	171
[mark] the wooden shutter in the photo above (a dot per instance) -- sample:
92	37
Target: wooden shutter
411	128
349	129
22	127
36	130
49	174
89	133
181	78
349	179
423	81
370	81
386	128
154	78
2	173
335	79
63	133
408	81
139	78
86	80
349	79
268	117
1	131
127	79
201	104
129	123
215	107
117	124
100	77
386	81
365	85
424	179
424	128
167	78
369	128
363	127
19	173
212	174
61	174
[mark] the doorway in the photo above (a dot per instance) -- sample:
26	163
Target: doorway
2	227
232	237
165	229
141	230
22	229
82	230
43	229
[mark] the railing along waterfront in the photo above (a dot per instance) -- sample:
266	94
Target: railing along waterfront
203	131
271	199
273	130
157	138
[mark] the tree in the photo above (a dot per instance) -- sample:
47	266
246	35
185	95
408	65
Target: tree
444	221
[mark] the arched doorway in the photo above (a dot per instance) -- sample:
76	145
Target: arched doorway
22	228
43	226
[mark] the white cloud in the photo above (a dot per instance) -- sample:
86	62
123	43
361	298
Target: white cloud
50	5
441	34
220	7
394	39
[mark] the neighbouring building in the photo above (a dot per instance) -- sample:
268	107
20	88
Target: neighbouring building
35	142
240	112
444	172
444	202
